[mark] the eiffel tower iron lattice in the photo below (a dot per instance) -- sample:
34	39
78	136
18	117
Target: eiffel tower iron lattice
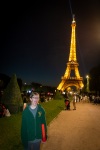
72	66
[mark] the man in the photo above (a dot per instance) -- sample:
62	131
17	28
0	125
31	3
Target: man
33	117
74	102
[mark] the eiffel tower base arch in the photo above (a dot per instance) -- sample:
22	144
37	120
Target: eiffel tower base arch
69	83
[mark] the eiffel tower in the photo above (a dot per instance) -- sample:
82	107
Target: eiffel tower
72	66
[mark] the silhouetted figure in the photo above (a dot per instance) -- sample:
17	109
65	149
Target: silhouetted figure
67	104
74	102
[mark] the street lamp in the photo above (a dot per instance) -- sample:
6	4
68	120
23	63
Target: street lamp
87	87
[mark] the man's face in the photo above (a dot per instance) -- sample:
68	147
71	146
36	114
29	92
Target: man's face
34	100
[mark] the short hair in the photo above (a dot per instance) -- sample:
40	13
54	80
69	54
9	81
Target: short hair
33	93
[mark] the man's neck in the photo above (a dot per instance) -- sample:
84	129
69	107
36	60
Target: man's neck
33	107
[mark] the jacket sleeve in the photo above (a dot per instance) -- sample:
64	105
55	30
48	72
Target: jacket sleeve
24	136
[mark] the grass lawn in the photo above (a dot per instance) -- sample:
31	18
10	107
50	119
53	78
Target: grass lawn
10	126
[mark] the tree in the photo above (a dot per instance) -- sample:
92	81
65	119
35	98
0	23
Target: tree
36	86
20	83
95	79
12	96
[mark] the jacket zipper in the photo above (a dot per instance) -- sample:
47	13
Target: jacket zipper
35	122
35	125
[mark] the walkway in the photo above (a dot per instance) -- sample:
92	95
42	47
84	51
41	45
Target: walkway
75	129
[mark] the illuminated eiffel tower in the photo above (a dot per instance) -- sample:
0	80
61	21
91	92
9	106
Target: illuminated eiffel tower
72	66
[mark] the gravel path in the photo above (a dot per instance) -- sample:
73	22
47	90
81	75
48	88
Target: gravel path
75	129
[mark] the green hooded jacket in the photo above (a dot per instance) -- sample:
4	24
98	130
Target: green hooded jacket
31	126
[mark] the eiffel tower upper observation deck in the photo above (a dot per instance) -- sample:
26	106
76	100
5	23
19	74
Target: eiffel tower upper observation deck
72	65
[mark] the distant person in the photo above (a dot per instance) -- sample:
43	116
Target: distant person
74	102
67	104
33	118
7	113
24	102
42	98
2	110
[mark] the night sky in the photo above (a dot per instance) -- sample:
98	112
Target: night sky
35	38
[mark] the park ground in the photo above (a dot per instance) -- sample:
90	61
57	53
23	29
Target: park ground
75	129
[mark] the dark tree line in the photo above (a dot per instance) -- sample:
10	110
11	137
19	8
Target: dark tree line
94	79
5	79
12	95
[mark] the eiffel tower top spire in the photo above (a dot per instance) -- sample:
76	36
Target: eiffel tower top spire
73	19
72	56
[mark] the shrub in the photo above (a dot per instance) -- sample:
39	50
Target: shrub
12	96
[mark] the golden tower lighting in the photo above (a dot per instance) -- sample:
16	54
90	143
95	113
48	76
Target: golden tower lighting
67	80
